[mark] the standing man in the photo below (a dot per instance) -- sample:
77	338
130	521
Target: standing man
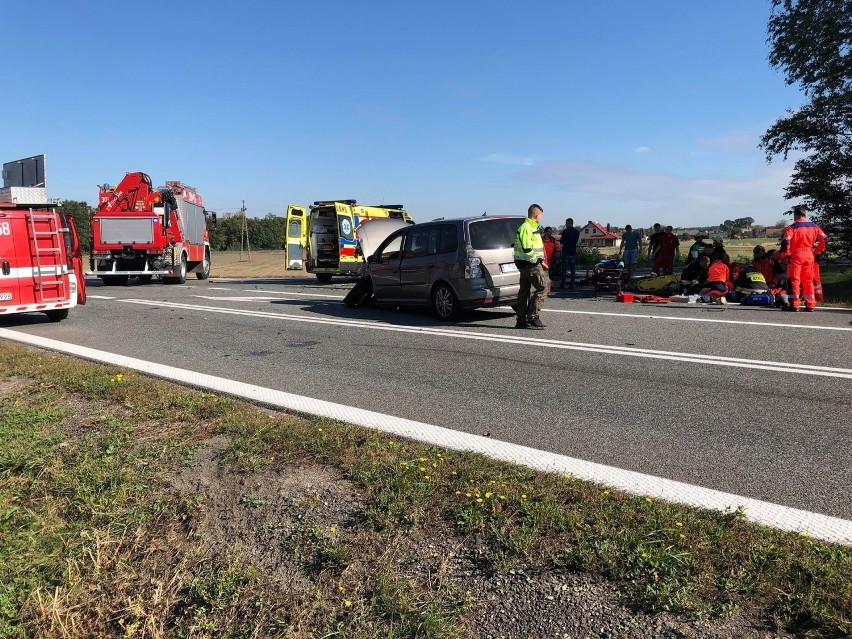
569	238
664	262
802	241
654	241
529	258
630	243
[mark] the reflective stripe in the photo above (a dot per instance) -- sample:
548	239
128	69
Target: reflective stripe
29	308
53	269
528	237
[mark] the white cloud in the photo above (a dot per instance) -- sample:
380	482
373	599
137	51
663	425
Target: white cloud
641	149
501	158
620	195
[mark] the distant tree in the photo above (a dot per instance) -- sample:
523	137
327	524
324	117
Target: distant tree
81	213
811	42
780	224
744	222
730	229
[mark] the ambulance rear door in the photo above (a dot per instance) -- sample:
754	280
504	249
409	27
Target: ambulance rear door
9	273
346	237
297	225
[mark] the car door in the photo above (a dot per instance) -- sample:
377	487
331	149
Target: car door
296	237
418	264
384	268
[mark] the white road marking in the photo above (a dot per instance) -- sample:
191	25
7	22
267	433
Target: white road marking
99	297
632	315
716	360
832	529
333	297
699	319
224	298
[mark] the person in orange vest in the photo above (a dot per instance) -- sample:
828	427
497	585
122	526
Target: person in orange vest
717	284
801	243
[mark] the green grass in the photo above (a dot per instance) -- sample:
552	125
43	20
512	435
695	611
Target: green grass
94	543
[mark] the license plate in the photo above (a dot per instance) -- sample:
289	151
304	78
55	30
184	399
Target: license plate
5	296
508	268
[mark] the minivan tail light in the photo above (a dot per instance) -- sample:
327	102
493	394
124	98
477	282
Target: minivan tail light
473	269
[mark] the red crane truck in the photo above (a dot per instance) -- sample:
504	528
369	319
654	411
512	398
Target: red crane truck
41	265
140	231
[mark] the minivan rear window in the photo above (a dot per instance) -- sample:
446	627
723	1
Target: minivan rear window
494	234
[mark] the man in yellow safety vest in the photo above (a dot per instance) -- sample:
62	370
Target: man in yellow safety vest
529	257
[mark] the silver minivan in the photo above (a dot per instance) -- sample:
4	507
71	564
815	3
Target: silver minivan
450	265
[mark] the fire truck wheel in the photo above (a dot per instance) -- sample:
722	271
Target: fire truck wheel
180	278
58	315
324	278
114	280
444	302
204	273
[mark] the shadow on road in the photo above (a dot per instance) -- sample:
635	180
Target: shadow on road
414	317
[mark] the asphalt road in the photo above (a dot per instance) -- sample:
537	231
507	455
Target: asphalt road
627	385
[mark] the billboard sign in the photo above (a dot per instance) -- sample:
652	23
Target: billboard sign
25	172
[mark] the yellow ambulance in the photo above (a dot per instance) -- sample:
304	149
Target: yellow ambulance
321	239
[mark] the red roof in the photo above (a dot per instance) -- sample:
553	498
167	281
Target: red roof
605	234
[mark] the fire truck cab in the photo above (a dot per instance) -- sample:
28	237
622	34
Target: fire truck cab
41	264
323	237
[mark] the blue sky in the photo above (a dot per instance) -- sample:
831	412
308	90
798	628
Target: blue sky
619	110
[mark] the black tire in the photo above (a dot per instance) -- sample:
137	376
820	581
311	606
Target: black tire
204	273
324	278
114	280
444	302
180	278
360	293
145	278
57	315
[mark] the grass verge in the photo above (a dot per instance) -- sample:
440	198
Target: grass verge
103	535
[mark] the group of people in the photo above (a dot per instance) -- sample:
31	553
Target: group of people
781	278
790	275
662	248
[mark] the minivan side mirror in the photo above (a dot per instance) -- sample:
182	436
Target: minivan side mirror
372	259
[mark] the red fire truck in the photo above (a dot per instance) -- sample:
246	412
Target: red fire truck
41	266
141	231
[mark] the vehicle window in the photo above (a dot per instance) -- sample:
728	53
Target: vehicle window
448	238
493	234
417	244
391	249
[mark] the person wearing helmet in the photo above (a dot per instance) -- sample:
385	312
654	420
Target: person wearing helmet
697	249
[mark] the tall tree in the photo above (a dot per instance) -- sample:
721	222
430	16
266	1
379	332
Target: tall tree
811	42
81	213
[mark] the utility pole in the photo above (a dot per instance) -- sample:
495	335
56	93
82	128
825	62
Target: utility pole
244	236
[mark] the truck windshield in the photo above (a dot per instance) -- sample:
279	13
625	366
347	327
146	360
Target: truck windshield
495	233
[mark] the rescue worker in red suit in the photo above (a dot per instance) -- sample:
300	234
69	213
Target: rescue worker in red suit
667	247
802	241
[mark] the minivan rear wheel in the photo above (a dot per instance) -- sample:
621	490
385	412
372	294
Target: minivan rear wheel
444	302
